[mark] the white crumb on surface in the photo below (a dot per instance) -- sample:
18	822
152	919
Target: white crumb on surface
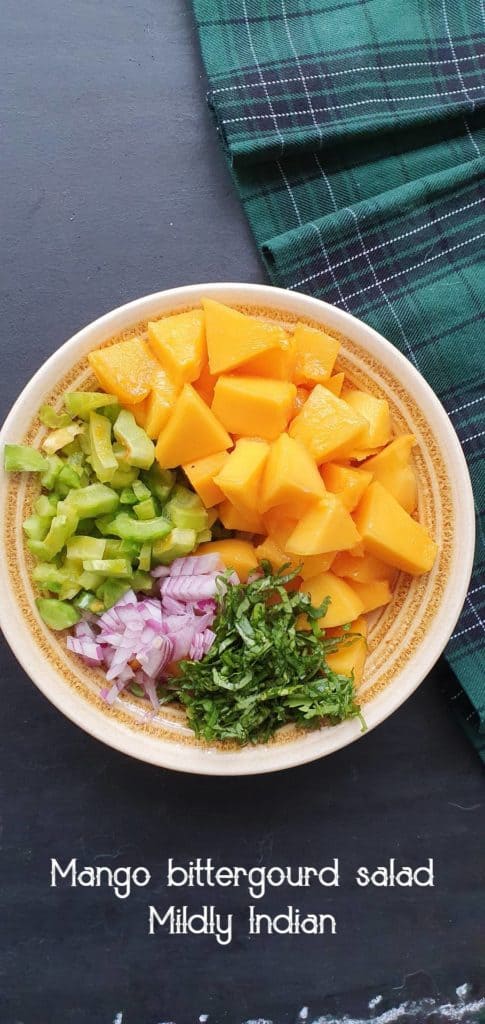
374	1002
303	1014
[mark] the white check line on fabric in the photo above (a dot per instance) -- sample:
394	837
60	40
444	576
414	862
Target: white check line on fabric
390	241
462	632
357	103
453	53
473	437
415	266
466	405
474	610
322	171
476	589
349	71
381	289
253	51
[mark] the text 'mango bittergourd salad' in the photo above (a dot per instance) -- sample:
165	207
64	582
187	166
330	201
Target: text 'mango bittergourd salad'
215	522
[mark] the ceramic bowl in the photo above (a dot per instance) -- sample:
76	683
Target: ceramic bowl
405	638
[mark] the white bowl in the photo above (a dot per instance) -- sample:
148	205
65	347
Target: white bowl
405	639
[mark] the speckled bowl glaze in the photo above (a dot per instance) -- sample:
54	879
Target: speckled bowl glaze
405	638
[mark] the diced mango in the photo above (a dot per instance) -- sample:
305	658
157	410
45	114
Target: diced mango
363	568
376	412
393	468
347	482
373	595
300	399
335	383
350	658
160	403
240	477
344	604
290	478
279	525
139	412
327	526
205	384
389	532
201	475
126	369
236	554
178	342
315	355
253	406
327	426
276	362
307	567
233	519
233	337
192	432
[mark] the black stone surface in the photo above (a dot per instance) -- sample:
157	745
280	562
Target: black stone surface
113	186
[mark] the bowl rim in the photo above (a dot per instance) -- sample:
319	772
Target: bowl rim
125	739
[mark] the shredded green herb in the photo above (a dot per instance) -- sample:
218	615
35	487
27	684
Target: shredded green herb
263	670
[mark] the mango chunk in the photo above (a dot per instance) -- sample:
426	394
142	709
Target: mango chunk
205	384
139	412
192	432
126	369
363	568
233	338
389	532
347	482
290	478
253	406
393	468
307	567
335	383
236	554
327	526
350	658
344	604
201	475
300	399
315	353
276	362
327	426
279	525
178	342
373	595
160	403
376	412
240	477
233	518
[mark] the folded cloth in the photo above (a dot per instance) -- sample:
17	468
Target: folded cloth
355	133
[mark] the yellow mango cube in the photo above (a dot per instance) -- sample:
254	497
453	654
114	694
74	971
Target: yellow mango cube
253	406
191	433
233	337
290	478
240	477
344	604
346	481
126	369
201	475
279	525
394	470
235	554
376	412
205	384
335	383
275	362
315	353
373	594
363	568
160	403
390	533
327	526
233	519
327	426
271	552
349	659
178	342
139	412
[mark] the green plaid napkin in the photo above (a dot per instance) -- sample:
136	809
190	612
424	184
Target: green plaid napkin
355	130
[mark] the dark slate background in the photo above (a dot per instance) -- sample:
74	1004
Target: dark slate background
113	187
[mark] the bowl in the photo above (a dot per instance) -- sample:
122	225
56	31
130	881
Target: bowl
405	638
